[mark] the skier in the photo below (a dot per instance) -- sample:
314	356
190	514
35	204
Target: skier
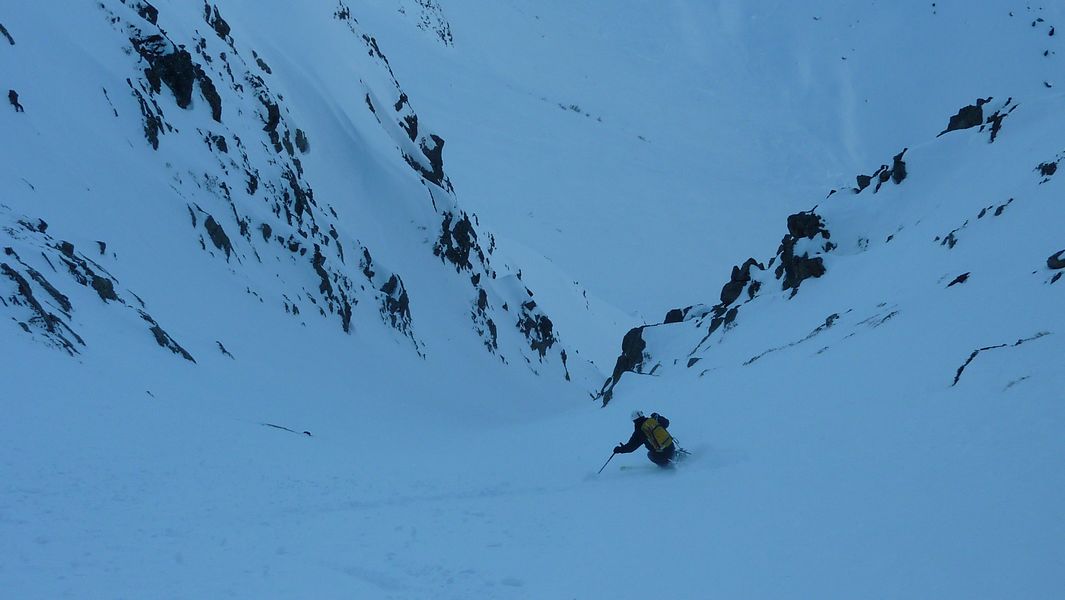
650	432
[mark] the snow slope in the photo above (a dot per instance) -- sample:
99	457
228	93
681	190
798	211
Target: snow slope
889	424
615	128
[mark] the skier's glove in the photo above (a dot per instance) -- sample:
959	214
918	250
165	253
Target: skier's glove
618	449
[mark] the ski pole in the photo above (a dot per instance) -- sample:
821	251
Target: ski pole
607	462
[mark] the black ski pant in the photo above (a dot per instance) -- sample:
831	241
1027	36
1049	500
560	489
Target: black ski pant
663	458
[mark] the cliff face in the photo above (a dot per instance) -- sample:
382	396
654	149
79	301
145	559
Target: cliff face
214	150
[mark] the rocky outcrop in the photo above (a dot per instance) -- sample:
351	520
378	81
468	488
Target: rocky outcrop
458	242
251	203
968	116
393	299
12	98
537	328
795	268
630	361
895	173
973	116
218	236
959	279
173	66
677	315
1055	261
429	17
1047	170
244	170
7	36
215	20
43	297
741	276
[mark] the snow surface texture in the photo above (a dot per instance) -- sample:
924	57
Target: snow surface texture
264	334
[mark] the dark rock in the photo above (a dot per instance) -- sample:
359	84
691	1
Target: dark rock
304	198
796	269
863	181
434	152
168	65
317	261
539	330
730	317
105	288
210	94
153	122
103	247
146	11
266	231
676	315
409	122
396	304
753	289
40	227
996	118
218	236
741	276
345	313
457	242
4	32
632	349
290	149
883	174
898	167
969	116
12	97
732	290
805	225
54	328
950	241
959	279
273	118
216	21
301	142
1048	169
59	297
253	182
1055	261
367	264
262	63
163	338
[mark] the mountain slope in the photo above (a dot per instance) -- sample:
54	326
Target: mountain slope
269	192
873	400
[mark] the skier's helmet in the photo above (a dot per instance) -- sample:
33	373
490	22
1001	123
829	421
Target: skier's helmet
636	414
